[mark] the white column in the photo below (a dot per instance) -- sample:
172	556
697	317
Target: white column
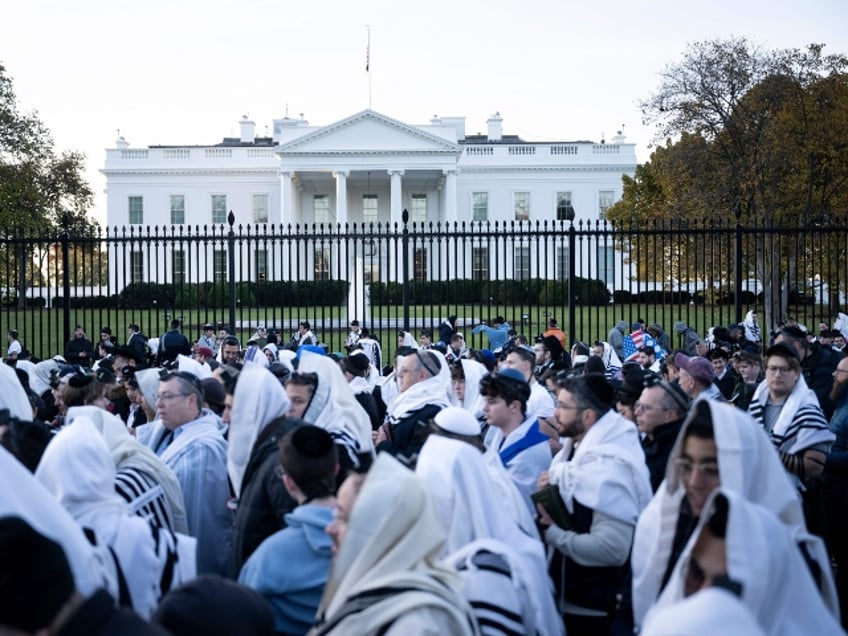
450	196
397	208
286	198
341	195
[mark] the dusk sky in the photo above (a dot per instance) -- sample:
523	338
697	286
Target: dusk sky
185	71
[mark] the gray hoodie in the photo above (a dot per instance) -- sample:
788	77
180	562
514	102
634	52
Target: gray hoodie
616	338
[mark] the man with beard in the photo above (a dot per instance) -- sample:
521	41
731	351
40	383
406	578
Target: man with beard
834	491
604	484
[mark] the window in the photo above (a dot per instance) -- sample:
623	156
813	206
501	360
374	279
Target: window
177	209
521	262
136	266
522	206
260	208
606	263
178	268
562	264
370	213
480	263
321	269
219	266
480	206
605	201
260	258
136	210
419	208
219	208
321	208
563	206
420	265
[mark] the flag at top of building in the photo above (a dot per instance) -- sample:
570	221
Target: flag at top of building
637	339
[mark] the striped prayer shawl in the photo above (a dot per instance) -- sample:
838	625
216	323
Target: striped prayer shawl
144	496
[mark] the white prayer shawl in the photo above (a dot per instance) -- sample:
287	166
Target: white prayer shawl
78	469
39	381
712	610
512	502
190	365
761	555
472	401
800	424
469	508
128	452
259	398
22	495
421	394
752	329
359	385
408	340
748	466
148	384
841	324
334	406
389	389
393	540
27	367
12	394
607	472
612	363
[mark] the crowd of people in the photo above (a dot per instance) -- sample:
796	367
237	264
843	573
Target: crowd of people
651	483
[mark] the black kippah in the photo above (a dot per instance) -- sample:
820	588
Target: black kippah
312	441
80	380
602	392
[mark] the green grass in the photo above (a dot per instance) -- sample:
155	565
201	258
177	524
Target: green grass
42	331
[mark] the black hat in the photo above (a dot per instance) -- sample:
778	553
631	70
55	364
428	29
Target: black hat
355	364
37	579
632	380
783	350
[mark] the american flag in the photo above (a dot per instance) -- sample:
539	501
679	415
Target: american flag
640	339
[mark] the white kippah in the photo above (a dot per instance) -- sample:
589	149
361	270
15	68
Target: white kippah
457	420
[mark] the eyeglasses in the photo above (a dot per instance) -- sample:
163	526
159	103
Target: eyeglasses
647	407
167	397
840	370
775	370
708	469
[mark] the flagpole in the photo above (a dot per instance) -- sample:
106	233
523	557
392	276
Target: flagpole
368	63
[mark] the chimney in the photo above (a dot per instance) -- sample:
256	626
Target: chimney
495	123
248	130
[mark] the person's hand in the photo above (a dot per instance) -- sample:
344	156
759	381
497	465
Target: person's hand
380	435
544	519
544	480
556	446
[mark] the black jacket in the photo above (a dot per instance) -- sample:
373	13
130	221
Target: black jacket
98	616
818	369
657	449
171	345
264	500
409	434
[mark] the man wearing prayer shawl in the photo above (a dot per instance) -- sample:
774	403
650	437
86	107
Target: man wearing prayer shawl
745	549
504	570
718	445
603	481
385	578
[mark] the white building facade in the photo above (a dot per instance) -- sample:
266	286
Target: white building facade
364	169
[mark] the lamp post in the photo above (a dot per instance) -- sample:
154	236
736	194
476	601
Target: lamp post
572	243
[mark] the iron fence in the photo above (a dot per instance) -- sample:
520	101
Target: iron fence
411	276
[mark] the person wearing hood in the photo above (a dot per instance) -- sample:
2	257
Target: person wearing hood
386	578
325	399
293	585
257	424
718	446
189	439
690	337
422	380
356	368
446	329
744	549
616	338
465	379
148	486
78	469
659	335
504	570
270	351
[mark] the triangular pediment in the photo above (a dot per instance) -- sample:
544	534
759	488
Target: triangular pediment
372	133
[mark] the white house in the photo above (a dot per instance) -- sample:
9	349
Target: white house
364	169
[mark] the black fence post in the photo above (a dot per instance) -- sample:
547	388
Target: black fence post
231	268
405	248
66	276
737	211
572	260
